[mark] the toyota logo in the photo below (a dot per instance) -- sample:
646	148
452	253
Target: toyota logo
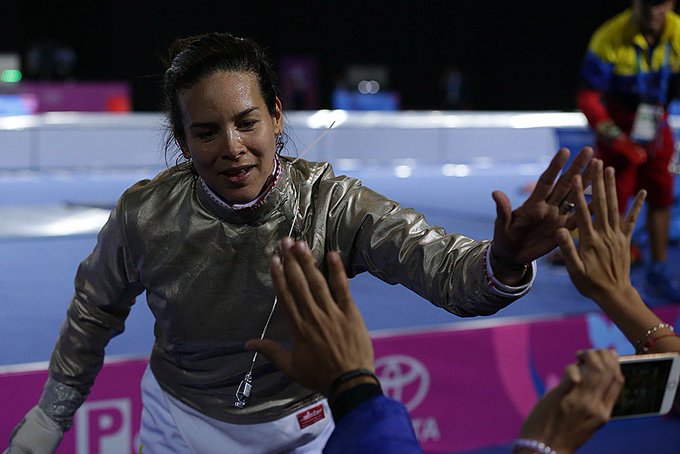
403	378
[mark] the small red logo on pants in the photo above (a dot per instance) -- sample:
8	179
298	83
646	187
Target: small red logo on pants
310	416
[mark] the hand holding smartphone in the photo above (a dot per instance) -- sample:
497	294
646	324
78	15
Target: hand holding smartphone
650	387
569	414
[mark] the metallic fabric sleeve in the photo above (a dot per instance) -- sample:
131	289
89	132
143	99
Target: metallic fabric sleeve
105	289
397	245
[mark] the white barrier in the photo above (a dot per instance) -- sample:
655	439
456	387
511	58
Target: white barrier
64	140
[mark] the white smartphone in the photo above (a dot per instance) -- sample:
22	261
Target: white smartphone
650	387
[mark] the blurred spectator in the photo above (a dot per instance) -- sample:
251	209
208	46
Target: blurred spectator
454	89
298	76
48	59
627	78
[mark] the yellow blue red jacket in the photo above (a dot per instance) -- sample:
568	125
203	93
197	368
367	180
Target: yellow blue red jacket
621	69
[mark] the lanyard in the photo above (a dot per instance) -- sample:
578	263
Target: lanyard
245	387
664	75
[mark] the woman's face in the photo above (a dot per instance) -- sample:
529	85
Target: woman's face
230	134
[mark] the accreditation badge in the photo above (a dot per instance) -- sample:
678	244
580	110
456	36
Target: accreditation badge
674	163
647	121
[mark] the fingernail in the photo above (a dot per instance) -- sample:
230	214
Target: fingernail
286	242
276	260
302	246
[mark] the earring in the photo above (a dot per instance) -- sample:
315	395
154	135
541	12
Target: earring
279	142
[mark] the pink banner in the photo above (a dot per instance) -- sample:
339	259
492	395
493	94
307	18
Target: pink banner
113	96
472	388
465	388
108	421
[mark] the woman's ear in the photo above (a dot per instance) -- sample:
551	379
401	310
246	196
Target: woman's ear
184	149
278	117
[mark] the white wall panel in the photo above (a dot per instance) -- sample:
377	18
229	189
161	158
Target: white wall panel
99	147
90	140
15	149
499	144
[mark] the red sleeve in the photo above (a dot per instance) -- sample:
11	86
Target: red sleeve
590	103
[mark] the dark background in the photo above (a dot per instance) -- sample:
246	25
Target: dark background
517	55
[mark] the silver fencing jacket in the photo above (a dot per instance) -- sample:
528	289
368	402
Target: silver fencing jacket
204	268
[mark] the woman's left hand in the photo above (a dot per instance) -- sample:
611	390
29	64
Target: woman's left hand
528	232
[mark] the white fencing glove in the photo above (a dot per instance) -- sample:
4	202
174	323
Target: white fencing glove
37	433
43	427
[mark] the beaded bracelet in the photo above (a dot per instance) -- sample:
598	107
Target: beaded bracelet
534	445
641	345
347	376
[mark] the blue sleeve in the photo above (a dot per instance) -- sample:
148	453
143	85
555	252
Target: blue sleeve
595	72
379	425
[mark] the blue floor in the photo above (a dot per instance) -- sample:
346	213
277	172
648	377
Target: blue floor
36	273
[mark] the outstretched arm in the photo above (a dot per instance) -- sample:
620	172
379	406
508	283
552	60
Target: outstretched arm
600	266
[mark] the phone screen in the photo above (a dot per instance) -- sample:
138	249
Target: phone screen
644	389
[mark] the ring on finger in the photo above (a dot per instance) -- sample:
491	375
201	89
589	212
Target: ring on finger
567	207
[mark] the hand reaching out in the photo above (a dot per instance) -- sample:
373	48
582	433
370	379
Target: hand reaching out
528	232
329	337
600	267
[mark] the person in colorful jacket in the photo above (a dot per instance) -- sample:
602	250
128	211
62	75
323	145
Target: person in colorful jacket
628	76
